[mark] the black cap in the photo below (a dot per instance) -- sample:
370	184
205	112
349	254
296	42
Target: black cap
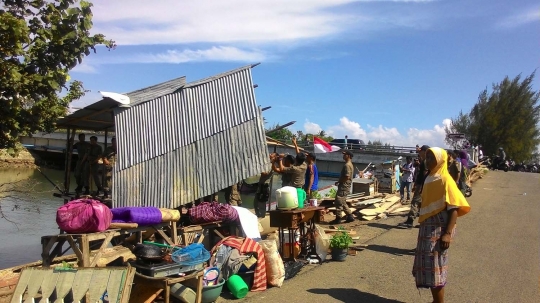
424	147
313	156
348	152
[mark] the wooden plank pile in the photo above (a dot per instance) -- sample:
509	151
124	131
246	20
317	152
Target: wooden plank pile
376	207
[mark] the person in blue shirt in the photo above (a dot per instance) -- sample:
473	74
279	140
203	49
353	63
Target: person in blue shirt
312	176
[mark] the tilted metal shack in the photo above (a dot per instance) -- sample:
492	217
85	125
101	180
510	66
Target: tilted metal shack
178	142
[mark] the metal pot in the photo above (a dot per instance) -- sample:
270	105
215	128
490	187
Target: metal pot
148	252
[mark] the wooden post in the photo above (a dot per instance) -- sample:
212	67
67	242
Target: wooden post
103	166
66	182
67	176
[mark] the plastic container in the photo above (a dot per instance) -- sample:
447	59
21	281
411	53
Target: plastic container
301	197
237	286
211	293
287	198
247	276
191	255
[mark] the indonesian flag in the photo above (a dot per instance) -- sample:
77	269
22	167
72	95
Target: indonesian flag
321	146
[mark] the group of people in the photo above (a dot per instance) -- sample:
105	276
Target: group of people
437	202
301	171
458	167
89	154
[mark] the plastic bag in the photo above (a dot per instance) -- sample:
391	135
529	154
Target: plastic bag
275	269
83	216
322	242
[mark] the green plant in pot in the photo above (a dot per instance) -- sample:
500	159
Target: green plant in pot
339	244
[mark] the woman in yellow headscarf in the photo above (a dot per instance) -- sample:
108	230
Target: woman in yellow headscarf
442	203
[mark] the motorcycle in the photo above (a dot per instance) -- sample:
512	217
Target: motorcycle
485	160
521	167
533	168
499	165
468	192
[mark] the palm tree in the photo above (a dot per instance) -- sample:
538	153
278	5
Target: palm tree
321	134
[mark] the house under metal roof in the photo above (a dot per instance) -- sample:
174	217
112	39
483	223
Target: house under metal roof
180	142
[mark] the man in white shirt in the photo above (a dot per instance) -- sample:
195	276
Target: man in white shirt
406	179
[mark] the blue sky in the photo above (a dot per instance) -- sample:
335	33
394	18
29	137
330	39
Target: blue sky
394	71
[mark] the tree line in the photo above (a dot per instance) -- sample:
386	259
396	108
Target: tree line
507	116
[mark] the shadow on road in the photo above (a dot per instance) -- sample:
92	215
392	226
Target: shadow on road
392	250
351	295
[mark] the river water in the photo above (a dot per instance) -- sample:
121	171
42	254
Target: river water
30	212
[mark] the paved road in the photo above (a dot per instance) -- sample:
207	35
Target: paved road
495	257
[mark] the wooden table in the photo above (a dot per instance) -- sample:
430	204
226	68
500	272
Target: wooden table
188	234
166	282
302	219
81	243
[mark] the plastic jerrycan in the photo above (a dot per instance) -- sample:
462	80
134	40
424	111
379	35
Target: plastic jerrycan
301	197
287	197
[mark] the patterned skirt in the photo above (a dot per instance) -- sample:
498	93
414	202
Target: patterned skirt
430	267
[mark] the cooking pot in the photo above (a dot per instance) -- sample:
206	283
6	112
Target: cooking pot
148	252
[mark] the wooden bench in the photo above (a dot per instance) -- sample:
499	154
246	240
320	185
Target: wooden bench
81	243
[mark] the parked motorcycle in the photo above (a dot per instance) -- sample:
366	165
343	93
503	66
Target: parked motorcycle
468	192
533	168
521	167
485	160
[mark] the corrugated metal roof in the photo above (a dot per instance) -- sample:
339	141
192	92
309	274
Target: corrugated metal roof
195	170
98	116
190	143
195	112
155	91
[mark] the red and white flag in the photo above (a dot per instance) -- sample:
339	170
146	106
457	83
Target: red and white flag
321	146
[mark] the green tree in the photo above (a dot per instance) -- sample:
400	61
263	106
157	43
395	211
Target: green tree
283	134
40	42
507	117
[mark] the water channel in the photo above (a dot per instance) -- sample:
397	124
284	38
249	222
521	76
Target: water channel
30	212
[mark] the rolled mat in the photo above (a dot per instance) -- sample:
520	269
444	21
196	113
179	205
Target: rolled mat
237	286
141	215
168	215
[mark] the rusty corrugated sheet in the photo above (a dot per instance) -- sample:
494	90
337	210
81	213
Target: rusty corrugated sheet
189	144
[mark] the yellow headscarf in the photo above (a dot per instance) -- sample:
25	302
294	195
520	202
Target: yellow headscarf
440	190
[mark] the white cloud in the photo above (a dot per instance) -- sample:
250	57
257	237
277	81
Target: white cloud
348	128
311	128
137	22
522	18
216	53
85	68
413	136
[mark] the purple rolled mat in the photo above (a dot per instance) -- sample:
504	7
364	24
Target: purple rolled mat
140	215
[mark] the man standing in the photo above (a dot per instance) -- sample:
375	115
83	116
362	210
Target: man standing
109	159
95	152
344	188
296	173
232	195
406	180
417	189
312	176
82	147
346	146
